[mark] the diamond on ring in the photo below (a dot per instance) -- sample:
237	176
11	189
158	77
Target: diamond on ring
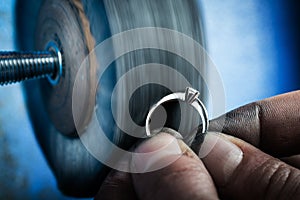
191	95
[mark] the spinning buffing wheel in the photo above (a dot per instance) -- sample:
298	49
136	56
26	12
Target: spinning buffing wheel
76	28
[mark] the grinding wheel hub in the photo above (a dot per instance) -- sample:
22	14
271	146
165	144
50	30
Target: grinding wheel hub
61	23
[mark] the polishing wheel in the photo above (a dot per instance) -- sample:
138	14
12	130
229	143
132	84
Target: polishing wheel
76	27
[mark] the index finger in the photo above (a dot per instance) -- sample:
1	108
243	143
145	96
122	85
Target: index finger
273	124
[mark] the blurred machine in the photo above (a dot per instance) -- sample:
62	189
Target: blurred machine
76	27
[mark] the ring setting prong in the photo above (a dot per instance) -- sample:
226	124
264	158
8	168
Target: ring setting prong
191	95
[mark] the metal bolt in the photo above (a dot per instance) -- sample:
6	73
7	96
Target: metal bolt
20	66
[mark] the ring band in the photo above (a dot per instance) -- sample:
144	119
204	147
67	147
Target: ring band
190	96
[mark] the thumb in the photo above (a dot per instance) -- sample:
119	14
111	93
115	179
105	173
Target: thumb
184	178
241	171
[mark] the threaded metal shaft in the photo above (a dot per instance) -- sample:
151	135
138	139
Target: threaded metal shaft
20	66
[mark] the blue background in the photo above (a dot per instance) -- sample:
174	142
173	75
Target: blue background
253	43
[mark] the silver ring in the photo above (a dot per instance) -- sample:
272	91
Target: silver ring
190	96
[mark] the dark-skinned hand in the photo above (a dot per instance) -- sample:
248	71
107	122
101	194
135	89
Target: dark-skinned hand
254	155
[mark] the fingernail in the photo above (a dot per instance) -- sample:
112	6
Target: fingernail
222	158
155	153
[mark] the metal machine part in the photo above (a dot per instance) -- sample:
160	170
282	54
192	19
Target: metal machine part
20	66
76	27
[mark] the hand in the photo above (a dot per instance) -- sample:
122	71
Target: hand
256	157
